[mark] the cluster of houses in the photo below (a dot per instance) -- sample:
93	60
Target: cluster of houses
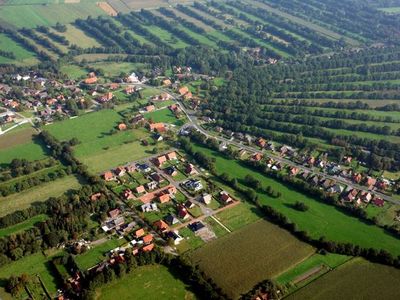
7	117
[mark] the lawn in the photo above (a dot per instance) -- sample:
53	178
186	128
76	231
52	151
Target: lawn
357	279
97	254
42	192
147	282
23	225
32	264
22	56
165	116
48	15
320	220
259	251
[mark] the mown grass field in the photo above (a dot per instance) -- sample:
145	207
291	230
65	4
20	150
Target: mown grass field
259	251
320	220
22	56
76	36
22	226
20	143
147	282
357	279
32	264
48	15
42	192
165	116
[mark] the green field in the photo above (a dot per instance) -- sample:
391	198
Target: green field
22	56
391	10
320	220
22	226
76	36
112	69
238	216
96	254
42	192
259	251
32	264
357	279
147	282
73	71
165	116
48	15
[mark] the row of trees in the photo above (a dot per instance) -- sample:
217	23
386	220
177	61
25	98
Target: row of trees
45	42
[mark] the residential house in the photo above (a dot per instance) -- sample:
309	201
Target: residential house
357	178
147	239
130	168
189	204
151	185
183	90
106	97
196	226
261	142
257	157
171	171
149	207
140	189
190	169
129	90
128	194
225	198
166	82
156	177
122	126
351	195
148	248
164	198
172	156
366	196
143	168
157	127
95	196
183	213
193	184
206	199
120	171
294	171
108	176
378	202
370	182
150	108
139	233
161	226
159	161
114	213
175	237
171	220
91	80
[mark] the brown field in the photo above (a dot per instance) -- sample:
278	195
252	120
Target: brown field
109	10
238	261
139	4
357	279
16	137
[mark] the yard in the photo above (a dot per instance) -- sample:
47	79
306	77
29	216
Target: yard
357	279
320	220
259	251
24	199
147	282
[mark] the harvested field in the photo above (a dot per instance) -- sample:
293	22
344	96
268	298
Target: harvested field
107	8
260	250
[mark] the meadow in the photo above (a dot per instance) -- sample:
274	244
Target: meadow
147	282
22	56
39	193
76	36
357	279
164	115
22	226
260	250
320	220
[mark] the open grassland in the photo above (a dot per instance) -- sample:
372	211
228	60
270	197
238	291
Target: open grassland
165	116
96	254
32	264
147	282
259	251
320	220
39	193
48	15
328	261
22	56
78	37
22	145
22	226
357	279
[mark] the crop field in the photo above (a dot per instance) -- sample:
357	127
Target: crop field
36	15
147	282
357	279
32	264
320	220
39	193
22	226
260	250
239	216
21	144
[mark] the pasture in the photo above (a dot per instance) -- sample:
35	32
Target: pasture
76	36
320	220
260	250
22	226
33	264
164	116
22	56
357	279
147	282
39	193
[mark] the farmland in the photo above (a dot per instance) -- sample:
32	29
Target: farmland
22	56
376	281
215	258
320	220
25	198
148	282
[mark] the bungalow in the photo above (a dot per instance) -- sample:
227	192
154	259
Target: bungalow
171	220
150	108
114	213
108	176
148	248
149	207
172	156
139	233
190	169
225	198
147	239
128	194
122	126
257	157
164	198
175	237
120	171
159	161
161	226
206	199
140	189
261	142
